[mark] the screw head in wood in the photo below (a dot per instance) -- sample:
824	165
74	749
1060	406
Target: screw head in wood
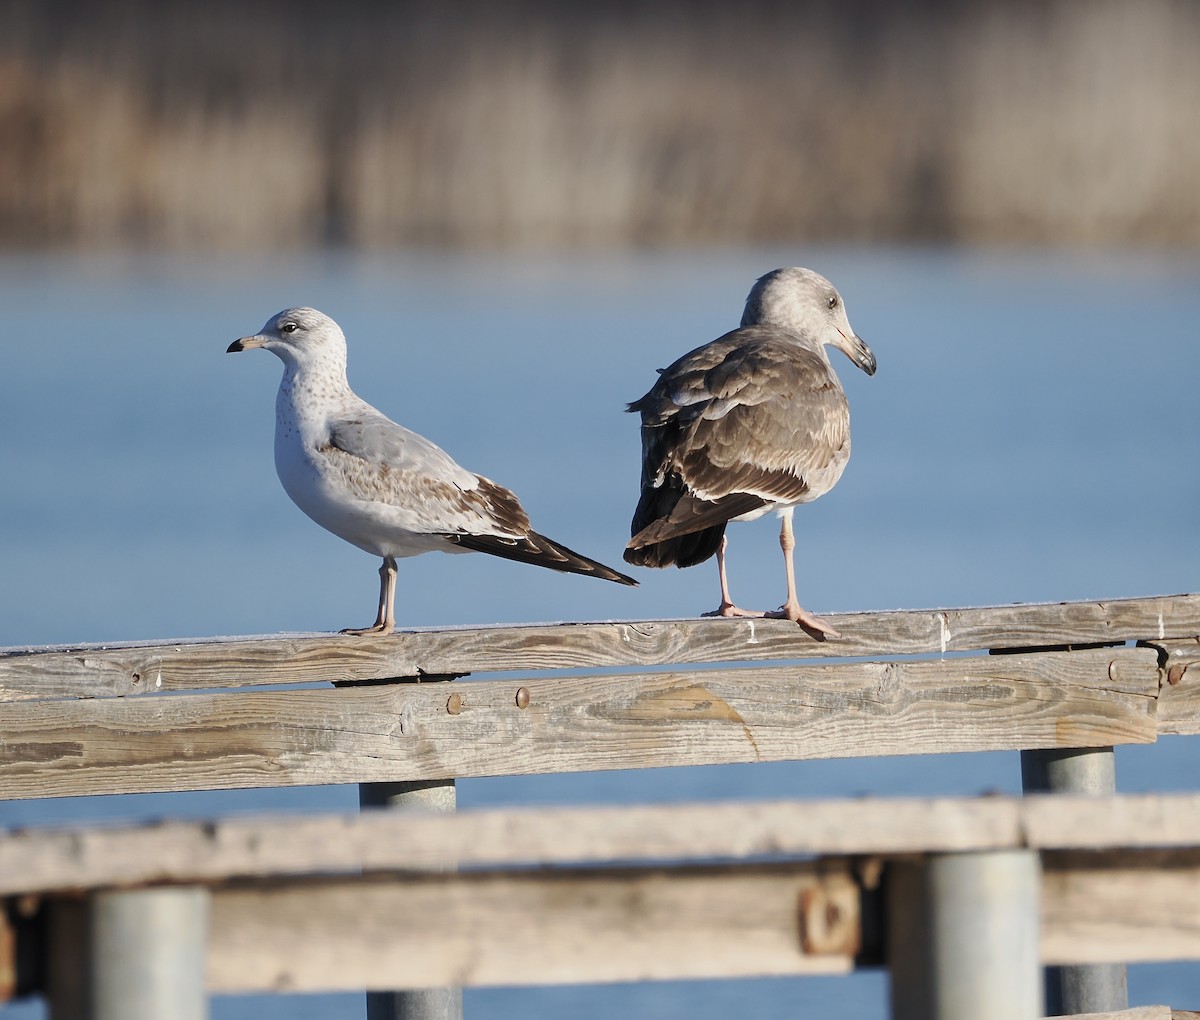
454	704
522	697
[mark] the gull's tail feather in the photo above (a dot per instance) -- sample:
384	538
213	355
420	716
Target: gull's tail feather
673	527
681	550
541	552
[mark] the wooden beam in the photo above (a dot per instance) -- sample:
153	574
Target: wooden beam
633	924
100	671
1120	906
524	928
48	860
638	922
1179	701
405	732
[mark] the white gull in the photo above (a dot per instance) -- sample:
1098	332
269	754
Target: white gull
376	484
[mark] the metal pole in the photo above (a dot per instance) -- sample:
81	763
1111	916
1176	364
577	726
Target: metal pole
963	937
148	949
1090	771
1090	987
419	1003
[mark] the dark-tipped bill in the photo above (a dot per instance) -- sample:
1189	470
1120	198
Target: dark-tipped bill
246	343
855	348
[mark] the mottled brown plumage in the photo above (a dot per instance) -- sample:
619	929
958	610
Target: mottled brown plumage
752	422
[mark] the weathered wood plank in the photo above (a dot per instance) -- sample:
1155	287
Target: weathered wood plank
1179	700
100	671
1138	1013
639	924
1096	697
1121	906
39	860
1066	822
515	929
636	923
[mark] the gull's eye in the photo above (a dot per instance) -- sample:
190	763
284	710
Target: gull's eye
288	327
833	301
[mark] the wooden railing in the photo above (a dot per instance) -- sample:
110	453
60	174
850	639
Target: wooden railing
621	894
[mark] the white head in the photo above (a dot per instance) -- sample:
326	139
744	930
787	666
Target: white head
804	302
302	338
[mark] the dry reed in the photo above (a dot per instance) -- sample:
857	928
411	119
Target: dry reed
222	124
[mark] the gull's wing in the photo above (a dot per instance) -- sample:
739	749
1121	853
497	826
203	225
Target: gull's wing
745	421
382	462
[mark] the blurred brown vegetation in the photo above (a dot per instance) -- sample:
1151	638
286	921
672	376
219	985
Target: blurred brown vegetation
225	124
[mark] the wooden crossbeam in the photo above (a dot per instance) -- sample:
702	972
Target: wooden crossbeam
701	890
139	669
1091	698
551	926
50	860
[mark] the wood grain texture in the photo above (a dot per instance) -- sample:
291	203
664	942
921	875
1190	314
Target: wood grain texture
519	929
38	860
1065	821
1097	697
1121	906
1139	1013
549	927
1179	700
97	671
636	922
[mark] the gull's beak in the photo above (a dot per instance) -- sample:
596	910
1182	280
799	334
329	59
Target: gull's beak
246	343
856	349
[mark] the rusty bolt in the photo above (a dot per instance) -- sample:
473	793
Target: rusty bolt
522	697
454	704
1175	673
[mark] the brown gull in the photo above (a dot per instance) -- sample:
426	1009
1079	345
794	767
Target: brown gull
374	483
754	422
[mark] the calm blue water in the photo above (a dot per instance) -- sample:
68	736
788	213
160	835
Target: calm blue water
1031	435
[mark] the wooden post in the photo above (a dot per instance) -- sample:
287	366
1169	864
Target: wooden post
146	954
962	936
420	1003
68	990
1093	987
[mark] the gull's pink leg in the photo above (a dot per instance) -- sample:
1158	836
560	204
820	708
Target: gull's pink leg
791	609
727	608
385	619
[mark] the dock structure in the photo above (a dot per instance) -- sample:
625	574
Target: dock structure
964	900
